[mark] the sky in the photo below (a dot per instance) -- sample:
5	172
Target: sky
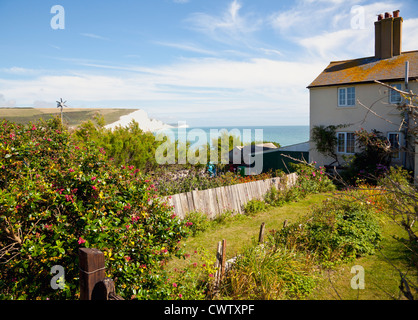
206	62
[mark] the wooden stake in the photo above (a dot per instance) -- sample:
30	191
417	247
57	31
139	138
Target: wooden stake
223	258
261	234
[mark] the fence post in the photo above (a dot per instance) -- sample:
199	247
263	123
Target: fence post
285	223
223	258
261	234
92	270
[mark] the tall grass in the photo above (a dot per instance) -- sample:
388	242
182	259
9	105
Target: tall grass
264	273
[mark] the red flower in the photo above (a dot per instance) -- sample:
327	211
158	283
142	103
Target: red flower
81	240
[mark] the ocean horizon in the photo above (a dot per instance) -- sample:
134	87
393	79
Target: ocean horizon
284	135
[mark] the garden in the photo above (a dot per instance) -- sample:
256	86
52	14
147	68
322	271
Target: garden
63	189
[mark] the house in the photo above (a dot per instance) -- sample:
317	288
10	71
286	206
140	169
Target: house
345	93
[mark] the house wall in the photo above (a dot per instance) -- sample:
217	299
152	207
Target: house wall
324	110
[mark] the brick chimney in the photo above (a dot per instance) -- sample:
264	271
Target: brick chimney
388	35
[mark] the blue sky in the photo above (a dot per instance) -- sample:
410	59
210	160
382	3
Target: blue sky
206	62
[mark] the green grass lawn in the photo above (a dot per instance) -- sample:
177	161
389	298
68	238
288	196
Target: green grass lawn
381	278
381	271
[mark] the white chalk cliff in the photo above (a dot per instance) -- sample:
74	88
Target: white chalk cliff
144	122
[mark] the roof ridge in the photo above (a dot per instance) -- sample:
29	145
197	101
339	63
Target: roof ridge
372	57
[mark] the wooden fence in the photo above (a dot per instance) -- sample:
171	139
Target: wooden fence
218	200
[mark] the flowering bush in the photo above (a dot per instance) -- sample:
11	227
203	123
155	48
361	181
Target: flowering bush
311	179
195	179
56	197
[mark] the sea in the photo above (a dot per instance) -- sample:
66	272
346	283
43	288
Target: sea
284	135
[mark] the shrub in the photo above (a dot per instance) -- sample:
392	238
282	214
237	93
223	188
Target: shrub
267	274
198	222
169	183
373	159
337	230
125	145
255	206
275	197
56	197
311	179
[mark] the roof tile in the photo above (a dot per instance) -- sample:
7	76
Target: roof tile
367	70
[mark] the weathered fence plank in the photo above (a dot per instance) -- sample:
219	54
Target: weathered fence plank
215	201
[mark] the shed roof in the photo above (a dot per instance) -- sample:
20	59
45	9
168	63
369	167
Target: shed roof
367	70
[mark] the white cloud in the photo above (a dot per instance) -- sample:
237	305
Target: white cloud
20	71
340	45
186	47
230	26
409	35
206	85
93	36
6	103
332	33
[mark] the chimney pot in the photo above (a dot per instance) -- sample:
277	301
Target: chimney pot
379	17
388	35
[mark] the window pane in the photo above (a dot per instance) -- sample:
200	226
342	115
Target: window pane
351	96
341	97
394	139
350	143
341	142
395	97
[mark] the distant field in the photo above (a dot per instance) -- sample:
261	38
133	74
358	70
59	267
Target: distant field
72	116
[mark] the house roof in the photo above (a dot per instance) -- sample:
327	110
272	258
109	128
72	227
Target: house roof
367	70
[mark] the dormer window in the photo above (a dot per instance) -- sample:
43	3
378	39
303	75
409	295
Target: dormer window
347	97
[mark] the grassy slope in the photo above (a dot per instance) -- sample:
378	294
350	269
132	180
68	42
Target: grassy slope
73	116
381	279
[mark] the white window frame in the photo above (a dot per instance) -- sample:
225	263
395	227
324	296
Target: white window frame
398	157
393	93
345	134
345	102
